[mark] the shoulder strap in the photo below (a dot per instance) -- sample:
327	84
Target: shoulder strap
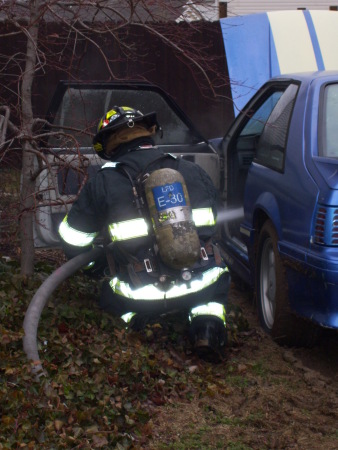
137	179
165	156
121	165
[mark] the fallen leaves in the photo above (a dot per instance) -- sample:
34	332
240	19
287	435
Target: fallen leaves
104	382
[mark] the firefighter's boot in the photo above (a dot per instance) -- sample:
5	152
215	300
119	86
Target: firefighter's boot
208	337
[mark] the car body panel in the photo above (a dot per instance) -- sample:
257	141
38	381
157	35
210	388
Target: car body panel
288	195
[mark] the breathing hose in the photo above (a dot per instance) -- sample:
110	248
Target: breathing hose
40	299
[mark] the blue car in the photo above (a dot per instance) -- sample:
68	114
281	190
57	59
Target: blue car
281	156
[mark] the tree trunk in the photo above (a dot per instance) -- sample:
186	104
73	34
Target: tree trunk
27	182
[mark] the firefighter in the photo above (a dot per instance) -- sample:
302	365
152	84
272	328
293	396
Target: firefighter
152	262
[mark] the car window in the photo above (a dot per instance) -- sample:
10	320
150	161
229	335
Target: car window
272	143
329	128
77	115
81	109
256	124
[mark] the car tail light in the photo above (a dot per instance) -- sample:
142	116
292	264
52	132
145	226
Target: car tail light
326	226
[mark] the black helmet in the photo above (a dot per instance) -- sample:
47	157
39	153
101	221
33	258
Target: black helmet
117	118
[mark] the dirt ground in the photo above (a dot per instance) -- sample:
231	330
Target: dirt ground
262	396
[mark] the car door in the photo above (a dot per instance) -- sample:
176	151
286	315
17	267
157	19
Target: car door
240	147
69	159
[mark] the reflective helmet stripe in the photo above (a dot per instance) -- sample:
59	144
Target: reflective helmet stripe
209	309
203	217
73	236
151	292
128	229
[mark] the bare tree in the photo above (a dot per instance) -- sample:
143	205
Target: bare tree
30	50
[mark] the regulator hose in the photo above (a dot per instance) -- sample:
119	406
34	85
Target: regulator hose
40	299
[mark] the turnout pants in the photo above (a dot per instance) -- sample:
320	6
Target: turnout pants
117	304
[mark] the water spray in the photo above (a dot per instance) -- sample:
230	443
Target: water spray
227	215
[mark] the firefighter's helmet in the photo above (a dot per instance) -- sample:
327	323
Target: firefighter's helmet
122	118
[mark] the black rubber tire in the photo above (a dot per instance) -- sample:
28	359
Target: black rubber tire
272	297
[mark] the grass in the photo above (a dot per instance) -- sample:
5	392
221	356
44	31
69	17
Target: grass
9	207
9	181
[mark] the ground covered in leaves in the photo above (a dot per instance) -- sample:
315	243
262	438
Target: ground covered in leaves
107	387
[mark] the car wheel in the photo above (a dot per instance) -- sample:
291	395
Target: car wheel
272	297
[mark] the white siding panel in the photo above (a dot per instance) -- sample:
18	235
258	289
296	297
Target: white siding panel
293	42
243	7
326	27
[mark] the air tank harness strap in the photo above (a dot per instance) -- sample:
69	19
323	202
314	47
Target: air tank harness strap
212	249
134	266
133	269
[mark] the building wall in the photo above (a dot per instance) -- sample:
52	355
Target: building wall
213	10
241	7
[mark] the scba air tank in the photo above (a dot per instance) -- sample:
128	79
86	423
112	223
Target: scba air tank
170	212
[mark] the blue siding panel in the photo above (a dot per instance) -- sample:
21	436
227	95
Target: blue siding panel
260	46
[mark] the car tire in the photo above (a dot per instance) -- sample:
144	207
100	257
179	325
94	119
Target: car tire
271	291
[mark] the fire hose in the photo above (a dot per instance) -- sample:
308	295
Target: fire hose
40	299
